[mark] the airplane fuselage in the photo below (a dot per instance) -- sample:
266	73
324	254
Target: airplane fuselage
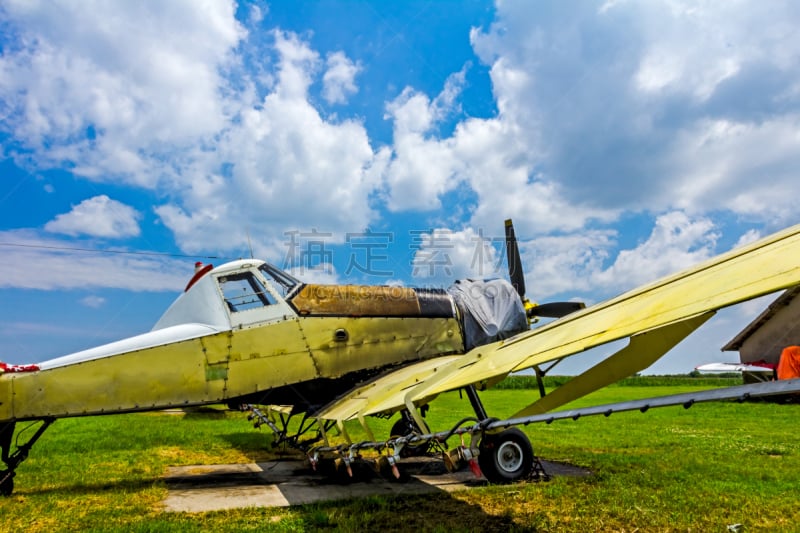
245	330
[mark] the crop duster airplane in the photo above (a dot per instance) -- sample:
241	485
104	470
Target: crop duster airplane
248	333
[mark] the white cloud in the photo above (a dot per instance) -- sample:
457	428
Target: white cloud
258	12
444	255
114	89
42	263
586	265
748	237
614	106
565	264
423	166
339	78
321	274
749	168
99	216
281	166
733	37
93	301
676	242
599	111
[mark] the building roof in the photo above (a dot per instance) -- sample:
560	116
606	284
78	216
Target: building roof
780	303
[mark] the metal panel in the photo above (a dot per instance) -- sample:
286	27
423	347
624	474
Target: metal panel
208	369
377	342
356	300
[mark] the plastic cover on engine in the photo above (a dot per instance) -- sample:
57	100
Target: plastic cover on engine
491	310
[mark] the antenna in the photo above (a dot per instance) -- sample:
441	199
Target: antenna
249	244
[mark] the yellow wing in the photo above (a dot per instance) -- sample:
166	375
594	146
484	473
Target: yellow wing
655	317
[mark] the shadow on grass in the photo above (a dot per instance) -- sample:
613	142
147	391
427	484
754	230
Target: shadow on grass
437	511
204	412
86	489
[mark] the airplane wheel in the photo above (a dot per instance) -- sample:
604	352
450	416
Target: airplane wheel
506	457
404	428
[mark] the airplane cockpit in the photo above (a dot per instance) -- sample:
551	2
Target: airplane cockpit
244	290
233	295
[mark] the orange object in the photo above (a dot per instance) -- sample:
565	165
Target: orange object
789	364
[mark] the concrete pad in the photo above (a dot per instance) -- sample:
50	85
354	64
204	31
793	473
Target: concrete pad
284	483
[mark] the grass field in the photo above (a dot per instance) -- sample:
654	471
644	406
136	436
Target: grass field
670	469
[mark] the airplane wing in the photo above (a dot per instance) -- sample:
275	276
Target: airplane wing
654	317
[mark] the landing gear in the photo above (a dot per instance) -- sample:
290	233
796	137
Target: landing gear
12	460
506	457
496	451
6	482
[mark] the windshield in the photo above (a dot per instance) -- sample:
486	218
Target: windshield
283	282
243	291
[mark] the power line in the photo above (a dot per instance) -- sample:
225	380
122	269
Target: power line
75	249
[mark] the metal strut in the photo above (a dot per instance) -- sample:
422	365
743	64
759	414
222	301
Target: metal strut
475	401
13	460
282	433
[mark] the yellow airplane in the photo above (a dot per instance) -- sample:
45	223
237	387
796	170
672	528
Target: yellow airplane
248	333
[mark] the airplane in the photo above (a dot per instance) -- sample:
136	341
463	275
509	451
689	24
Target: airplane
757	370
248	333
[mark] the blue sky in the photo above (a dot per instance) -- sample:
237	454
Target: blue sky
381	142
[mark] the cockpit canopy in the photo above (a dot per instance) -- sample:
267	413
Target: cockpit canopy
233	295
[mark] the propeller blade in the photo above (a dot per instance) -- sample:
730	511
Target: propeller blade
515	274
555	309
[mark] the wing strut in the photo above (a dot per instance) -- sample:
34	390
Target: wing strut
642	351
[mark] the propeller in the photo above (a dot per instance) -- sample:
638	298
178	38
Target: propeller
515	274
517	278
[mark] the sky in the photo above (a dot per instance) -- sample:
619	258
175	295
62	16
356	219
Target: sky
384	143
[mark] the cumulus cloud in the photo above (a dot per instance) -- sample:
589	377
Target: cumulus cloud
424	166
600	110
142	96
443	255
97	217
281	166
569	265
590	263
339	78
597	97
749	168
676	242
748	237
115	89
566	264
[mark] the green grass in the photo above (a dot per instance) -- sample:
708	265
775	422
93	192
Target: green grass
667	470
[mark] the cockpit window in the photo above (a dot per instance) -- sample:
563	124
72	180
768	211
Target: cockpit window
283	282
243	291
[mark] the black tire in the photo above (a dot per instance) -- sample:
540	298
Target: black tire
404	428
506	457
